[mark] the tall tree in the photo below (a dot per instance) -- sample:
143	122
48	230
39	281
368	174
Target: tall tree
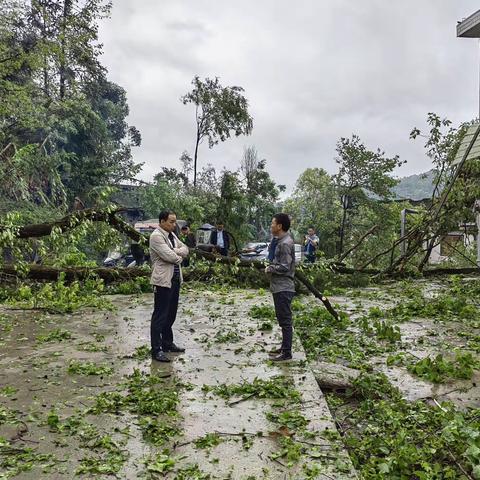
261	191
56	97
362	173
314	202
219	112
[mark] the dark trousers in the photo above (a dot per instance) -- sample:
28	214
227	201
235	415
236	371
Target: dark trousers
164	314
283	311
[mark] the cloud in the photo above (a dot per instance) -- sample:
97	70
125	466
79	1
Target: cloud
312	72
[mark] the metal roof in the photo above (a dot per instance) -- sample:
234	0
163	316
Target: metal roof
470	26
474	152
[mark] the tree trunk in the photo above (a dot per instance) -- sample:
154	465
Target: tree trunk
40	272
74	219
195	160
342	229
67	6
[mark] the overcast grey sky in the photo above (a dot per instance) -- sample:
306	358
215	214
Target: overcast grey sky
313	71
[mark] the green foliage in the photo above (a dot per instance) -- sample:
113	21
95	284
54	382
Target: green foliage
291	419
88	368
439	369
362	174
329	282
277	387
149	397
389	437
218	275
63	123
142	353
315	202
14	459
316	328
262	312
290	450
61	297
226	336
131	287
57	335
209	440
244	200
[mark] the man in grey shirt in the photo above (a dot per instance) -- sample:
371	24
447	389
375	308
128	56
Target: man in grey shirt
281	254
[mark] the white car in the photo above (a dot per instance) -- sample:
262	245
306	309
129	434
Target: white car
259	251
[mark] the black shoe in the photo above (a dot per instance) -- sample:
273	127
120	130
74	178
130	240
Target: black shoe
275	351
173	348
160	357
283	357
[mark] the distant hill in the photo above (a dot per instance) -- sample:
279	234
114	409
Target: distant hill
415	187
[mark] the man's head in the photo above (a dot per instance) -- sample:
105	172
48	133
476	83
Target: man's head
220	225
167	220
311	231
185	230
280	223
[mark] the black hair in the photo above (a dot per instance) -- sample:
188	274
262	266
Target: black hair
311	227
220	222
184	227
164	214
284	220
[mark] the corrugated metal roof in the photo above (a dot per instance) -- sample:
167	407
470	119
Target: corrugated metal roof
470	27
474	152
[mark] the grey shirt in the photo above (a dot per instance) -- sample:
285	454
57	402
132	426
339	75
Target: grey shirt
282	268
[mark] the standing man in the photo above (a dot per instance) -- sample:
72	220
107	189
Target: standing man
311	245
281	255
188	238
220	239
166	253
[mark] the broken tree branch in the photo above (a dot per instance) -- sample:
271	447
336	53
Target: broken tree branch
73	220
362	238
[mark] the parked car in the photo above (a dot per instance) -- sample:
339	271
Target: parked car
254	251
116	259
259	251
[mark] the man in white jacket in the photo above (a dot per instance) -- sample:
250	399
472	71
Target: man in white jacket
167	253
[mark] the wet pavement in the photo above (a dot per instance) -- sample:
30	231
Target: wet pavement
224	346
420	337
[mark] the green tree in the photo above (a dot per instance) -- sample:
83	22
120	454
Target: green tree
314	202
219	112
261	191
57	103
362	175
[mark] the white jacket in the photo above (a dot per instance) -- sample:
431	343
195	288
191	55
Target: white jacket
163	257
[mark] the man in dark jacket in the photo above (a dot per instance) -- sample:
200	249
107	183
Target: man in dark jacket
220	239
281	255
188	238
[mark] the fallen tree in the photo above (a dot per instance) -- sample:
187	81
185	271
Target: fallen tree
42	272
109	216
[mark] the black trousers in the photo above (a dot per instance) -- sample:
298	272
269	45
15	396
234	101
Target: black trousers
283	311
164	315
